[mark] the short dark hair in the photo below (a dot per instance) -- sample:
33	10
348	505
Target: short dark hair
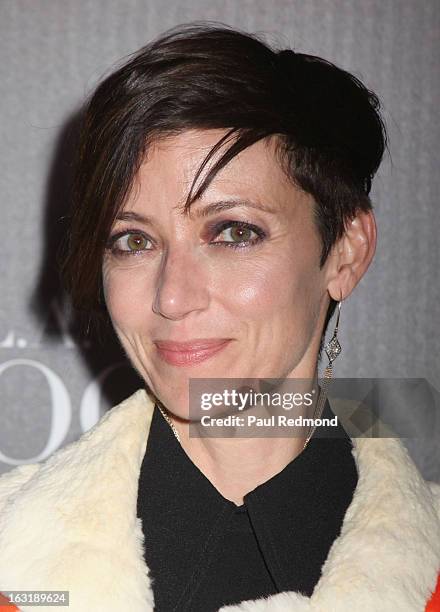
207	75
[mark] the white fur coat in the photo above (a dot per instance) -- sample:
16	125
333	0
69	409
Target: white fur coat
70	524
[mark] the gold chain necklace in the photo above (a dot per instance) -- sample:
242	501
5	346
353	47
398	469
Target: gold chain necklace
316	415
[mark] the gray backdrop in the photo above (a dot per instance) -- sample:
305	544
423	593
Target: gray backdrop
52	386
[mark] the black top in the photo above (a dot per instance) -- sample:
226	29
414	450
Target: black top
204	551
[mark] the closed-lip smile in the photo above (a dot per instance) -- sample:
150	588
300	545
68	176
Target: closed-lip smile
191	351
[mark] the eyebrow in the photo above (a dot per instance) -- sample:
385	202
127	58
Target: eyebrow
209	209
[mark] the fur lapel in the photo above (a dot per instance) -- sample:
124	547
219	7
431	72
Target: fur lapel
70	524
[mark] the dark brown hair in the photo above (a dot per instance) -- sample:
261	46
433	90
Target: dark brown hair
331	137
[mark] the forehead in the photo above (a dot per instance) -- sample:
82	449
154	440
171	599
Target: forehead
171	164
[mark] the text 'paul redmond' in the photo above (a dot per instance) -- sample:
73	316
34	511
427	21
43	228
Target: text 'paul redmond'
275	420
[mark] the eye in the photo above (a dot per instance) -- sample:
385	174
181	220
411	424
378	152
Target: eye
238	233
128	243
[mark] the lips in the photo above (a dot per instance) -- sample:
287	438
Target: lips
190	352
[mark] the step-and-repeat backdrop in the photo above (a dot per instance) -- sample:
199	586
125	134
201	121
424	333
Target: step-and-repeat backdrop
54	384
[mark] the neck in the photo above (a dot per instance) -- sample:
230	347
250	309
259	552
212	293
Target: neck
236	466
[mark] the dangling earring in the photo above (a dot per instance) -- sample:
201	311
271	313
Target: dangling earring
333	349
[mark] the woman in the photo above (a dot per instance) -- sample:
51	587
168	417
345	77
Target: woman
237	281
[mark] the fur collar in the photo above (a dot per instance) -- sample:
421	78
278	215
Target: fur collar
70	524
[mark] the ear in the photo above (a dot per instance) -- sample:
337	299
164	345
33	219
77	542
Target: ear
351	255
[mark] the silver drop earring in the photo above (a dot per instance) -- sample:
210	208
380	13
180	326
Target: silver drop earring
333	349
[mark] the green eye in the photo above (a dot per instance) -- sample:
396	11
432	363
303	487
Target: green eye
129	243
240	234
237	233
136	242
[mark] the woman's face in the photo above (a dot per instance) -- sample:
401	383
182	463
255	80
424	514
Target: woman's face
176	278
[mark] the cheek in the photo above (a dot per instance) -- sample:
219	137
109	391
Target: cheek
272	286
126	296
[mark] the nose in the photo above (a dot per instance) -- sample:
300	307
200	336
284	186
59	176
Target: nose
181	285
